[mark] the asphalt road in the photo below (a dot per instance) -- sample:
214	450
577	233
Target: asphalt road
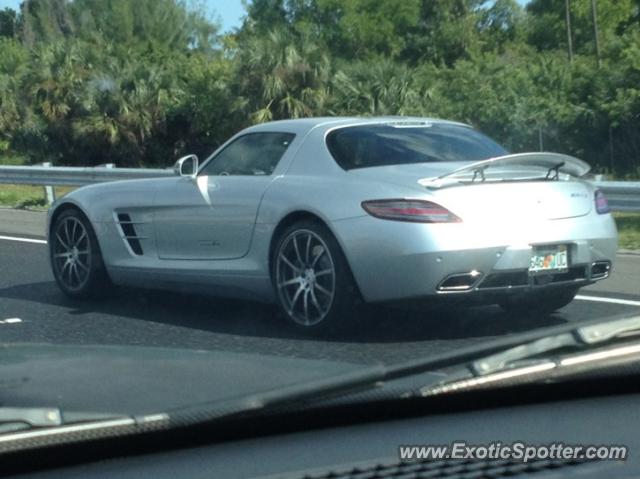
32	309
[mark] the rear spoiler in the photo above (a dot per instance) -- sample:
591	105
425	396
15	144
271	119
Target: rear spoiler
553	163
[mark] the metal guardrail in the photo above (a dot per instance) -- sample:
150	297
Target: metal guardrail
50	176
622	195
74	176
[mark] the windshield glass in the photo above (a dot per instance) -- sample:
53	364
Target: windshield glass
388	144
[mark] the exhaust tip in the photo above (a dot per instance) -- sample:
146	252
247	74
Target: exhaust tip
460	281
600	269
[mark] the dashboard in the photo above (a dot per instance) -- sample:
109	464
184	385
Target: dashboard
345	441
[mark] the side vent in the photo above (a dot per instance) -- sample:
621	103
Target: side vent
129	231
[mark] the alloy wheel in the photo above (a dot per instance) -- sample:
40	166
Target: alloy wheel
71	253
305	277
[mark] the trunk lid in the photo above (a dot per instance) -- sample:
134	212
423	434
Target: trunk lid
520	187
517	203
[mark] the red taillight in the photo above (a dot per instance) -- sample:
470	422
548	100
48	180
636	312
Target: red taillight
418	211
602	205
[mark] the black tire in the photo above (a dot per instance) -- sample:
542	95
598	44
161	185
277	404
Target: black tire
75	256
301	295
539	302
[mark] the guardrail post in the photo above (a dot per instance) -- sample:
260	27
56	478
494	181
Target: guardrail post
49	191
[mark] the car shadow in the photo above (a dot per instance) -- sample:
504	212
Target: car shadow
375	324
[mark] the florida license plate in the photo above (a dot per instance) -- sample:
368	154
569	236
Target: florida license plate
551	259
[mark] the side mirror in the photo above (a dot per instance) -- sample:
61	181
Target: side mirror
186	166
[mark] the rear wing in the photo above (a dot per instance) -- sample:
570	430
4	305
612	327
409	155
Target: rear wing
541	165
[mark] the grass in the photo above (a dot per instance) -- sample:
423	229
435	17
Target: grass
628	230
25	196
17	196
11	160
20	196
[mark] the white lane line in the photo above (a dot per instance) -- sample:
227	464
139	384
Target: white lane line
10	321
23	240
601	299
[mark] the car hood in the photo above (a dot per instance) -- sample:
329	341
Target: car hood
131	380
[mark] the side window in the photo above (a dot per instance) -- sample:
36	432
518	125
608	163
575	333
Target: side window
252	154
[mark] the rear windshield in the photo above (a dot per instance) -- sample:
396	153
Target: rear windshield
381	145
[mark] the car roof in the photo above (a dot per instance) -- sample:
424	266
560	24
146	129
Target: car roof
304	125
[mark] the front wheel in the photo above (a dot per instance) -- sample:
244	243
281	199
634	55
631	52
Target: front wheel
544	302
75	256
313	283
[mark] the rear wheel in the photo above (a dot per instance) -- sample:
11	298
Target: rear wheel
75	256
543	302
313	283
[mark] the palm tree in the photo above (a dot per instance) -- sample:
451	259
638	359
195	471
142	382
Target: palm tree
125	106
12	68
381	88
285	76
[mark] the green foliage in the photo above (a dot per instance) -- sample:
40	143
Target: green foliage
21	196
8	25
547	26
282	75
13	65
9	160
628	230
208	111
382	88
155	24
500	24
447	31
143	82
30	202
365	27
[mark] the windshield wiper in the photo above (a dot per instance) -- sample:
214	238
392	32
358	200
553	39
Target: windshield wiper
20	418
535	357
22	428
14	418
493	357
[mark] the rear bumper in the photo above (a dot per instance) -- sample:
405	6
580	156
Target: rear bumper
394	260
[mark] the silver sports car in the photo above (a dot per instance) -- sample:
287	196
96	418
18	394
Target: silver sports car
320	214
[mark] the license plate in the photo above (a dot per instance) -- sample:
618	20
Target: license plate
552	259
